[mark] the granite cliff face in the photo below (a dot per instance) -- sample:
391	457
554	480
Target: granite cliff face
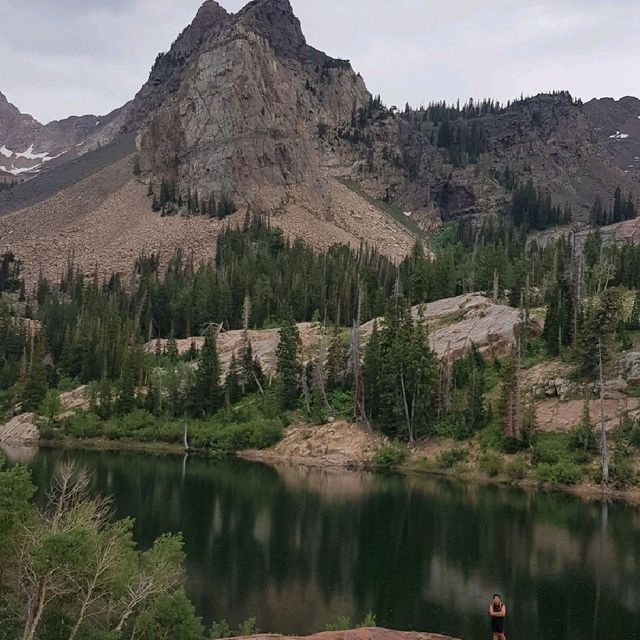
244	118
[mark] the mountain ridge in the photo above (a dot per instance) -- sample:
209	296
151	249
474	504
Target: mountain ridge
241	113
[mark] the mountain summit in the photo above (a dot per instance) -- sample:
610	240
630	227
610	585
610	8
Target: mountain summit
243	114
241	109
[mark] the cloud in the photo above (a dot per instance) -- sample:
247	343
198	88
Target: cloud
89	56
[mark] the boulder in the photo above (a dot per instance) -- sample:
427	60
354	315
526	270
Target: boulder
614	388
631	367
20	430
76	399
457	323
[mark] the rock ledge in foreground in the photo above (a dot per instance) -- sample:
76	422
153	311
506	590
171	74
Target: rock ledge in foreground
367	633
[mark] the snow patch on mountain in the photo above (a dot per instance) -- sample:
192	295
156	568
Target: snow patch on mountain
29	155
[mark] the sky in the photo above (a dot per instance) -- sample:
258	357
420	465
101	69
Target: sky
71	57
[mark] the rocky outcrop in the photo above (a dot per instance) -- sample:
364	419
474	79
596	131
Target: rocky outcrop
75	399
631	367
457	323
20	430
264	344
367	633
336	444
554	414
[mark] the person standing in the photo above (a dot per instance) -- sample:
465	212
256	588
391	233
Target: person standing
497	612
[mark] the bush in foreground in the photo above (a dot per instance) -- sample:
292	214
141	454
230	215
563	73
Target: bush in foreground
390	456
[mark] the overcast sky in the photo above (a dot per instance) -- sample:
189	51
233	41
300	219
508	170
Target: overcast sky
64	57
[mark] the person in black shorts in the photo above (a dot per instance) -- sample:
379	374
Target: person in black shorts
497	611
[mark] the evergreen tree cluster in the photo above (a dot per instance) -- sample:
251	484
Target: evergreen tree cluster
26	368
10	268
621	209
440	112
170	200
465	142
532	208
408	393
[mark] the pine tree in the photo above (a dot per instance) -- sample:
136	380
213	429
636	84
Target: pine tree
35	387
105	397
126	399
247	373
172	350
206	393
371	373
618	206
336	361
475	411
583	437
511	404
232	389
559	318
289	364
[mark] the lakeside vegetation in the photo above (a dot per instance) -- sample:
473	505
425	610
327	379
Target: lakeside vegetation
84	331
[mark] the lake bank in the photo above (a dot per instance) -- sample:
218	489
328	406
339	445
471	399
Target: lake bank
343	445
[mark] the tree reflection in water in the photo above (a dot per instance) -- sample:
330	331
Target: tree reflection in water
299	547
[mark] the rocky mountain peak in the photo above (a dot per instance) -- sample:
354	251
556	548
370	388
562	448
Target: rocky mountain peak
275	21
208	21
167	72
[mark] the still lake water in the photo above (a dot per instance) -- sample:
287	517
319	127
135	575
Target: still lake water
297	548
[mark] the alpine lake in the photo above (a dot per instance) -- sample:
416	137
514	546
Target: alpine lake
299	547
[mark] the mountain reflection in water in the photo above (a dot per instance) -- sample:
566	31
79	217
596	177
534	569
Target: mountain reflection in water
299	547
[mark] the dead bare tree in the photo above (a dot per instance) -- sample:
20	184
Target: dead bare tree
604	455
69	508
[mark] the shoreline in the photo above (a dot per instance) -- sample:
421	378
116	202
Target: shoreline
273	457
584	491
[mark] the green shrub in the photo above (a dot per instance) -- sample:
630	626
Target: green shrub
516	468
228	438
491	436
451	457
369	620
82	425
549	449
491	463
341	401
621	471
582	438
248	627
343	623
390	456
561	473
514	445
634	434
219	630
